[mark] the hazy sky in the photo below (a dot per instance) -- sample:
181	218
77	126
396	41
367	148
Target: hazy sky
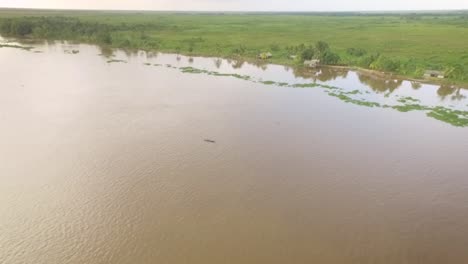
253	5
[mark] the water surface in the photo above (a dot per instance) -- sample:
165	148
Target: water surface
115	163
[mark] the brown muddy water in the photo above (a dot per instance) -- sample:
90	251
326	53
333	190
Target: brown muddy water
129	162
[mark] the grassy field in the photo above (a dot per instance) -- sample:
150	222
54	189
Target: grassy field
407	44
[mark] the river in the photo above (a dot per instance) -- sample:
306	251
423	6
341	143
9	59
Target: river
132	157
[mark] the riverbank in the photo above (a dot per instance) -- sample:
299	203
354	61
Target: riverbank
404	44
241	60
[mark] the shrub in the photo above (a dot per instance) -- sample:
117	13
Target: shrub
385	64
330	58
307	54
456	71
321	47
366	61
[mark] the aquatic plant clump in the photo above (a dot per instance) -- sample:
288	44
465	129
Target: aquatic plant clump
198	71
116	61
455	117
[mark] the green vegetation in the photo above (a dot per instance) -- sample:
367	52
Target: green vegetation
321	51
407	44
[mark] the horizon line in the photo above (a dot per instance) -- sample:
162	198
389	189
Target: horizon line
236	11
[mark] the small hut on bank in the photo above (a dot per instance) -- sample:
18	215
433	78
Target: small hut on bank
312	63
434	74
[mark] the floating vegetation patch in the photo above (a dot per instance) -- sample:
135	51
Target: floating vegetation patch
16	47
116	61
147	64
454	117
189	69
405	100
345	98
198	71
238	76
354	92
268	82
409	107
305	85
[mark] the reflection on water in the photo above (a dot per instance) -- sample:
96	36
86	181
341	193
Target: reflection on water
106	52
380	85
218	62
138	163
322	75
455	93
237	64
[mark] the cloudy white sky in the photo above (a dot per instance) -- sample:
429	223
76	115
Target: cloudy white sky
242	5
